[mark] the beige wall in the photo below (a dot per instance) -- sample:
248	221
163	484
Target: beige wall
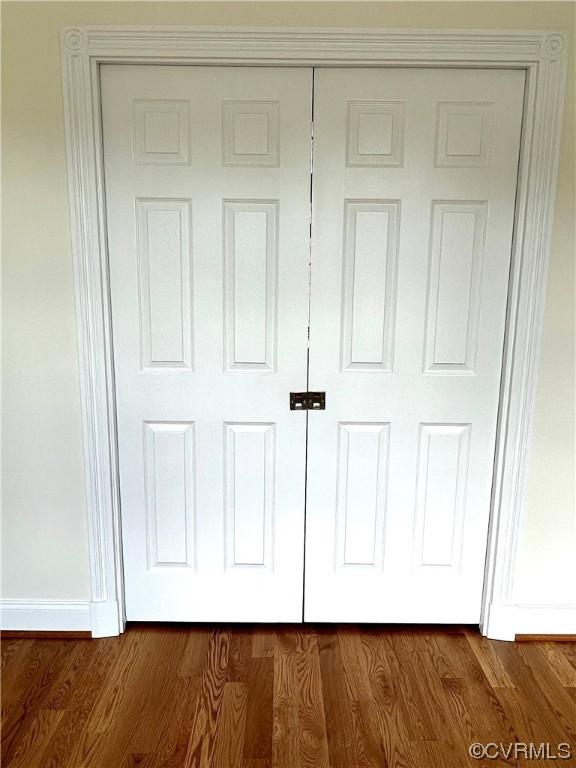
45	552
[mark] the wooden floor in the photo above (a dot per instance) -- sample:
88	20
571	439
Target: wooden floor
294	697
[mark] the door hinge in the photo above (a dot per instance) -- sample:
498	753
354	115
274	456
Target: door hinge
307	401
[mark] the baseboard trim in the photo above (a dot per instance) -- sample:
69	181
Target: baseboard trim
545	620
101	619
45	615
510	622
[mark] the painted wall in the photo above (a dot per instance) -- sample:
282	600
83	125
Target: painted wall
45	553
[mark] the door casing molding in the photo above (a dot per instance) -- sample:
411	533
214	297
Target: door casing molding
542	54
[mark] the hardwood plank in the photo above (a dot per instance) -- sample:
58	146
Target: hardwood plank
355	672
195	653
161	675
18	676
180	708
558	700
369	746
43	666
99	668
201	743
81	674
483	650
101	701
370	751
445	725
240	655
36	736
259	716
437	736
71	671
528	705
229	744
525	717
559	663
390	710
62	745
474	703
299	733
420	726
285	671
14	663
108	706
569	653
312	733
263	642
9	650
173	742
337	706
446	664
285	741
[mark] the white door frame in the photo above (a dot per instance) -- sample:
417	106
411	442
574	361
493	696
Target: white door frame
542	54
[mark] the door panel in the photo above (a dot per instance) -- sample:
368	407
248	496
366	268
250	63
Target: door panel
207	187
414	181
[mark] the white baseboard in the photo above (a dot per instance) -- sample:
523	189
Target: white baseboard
504	622
100	618
545	620
45	615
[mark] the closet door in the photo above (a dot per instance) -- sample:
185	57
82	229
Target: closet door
414	187
207	195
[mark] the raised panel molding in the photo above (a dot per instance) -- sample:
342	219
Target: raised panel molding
165	284
375	134
361	488
251	133
442	479
249	462
371	241
541	53
169	481
457	244
250	266
463	134
160	132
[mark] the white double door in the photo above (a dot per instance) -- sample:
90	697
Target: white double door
248	261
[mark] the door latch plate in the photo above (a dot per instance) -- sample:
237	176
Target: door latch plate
307	401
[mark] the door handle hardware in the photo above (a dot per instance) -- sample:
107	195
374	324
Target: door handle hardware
298	401
307	401
316	401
